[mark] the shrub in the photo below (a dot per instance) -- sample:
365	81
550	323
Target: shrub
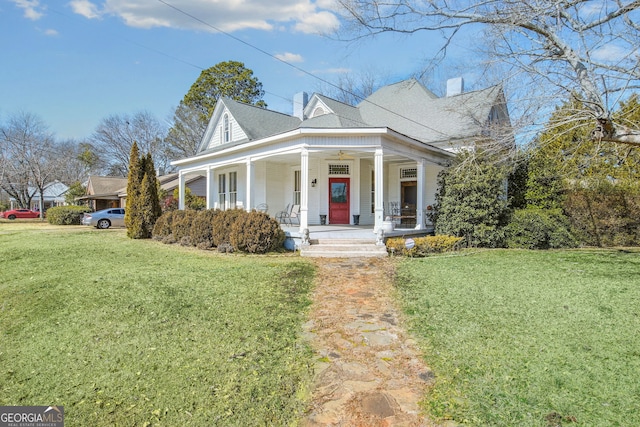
256	233
424	246
471	202
163	226
66	215
534	228
201	232
222	223
605	215
181	226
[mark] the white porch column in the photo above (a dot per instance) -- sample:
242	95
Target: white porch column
250	178
304	189
181	190
378	173
420	199
211	202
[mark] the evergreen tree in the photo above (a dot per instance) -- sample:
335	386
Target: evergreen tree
149	200
133	218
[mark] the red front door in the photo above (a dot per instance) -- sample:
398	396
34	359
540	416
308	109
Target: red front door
338	200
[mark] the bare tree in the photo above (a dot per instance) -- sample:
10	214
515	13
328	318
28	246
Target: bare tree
115	135
27	149
584	48
353	88
184	137
77	160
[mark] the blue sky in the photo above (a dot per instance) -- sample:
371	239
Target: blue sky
74	63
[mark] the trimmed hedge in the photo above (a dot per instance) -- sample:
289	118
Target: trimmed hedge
201	232
423	246
162	230
181	226
66	215
257	233
222	225
227	231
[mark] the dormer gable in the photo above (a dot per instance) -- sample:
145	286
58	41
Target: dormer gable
234	122
316	107
223	128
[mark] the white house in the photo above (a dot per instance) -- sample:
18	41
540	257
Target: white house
339	163
54	195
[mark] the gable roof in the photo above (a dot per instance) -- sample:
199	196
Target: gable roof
105	185
430	119
340	115
255	122
406	107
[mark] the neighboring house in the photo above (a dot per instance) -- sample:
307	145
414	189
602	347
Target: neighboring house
53	195
105	192
348	164
102	192
169	183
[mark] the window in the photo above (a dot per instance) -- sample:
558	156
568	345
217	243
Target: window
408	173
226	128
338	169
233	188
296	187
373	191
222	191
317	112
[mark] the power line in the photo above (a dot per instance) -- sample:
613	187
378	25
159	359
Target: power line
295	67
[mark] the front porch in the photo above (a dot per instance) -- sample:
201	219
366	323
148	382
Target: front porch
346	234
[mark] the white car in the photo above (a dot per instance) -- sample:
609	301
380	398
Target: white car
113	217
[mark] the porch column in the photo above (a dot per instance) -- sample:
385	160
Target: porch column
181	190
304	189
210	189
422	164
250	178
378	172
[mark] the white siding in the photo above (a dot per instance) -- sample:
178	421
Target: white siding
277	191
237	134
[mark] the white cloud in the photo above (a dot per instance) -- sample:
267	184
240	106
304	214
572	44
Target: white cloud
31	8
50	32
317	23
610	53
227	15
85	8
289	57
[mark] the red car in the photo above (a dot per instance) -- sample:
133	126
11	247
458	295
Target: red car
19	213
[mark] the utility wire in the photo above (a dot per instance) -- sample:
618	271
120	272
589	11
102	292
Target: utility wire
295	67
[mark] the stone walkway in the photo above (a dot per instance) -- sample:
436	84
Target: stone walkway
369	372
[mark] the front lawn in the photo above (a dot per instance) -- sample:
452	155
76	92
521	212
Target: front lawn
523	338
134	332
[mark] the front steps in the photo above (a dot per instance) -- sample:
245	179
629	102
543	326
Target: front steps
343	248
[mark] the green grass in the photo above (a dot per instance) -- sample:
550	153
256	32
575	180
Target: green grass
132	332
523	338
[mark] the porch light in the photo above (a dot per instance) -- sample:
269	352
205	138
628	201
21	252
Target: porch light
314	182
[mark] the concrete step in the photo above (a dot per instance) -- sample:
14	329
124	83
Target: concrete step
336	248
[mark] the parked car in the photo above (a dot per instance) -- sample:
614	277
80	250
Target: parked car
113	217
19	213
